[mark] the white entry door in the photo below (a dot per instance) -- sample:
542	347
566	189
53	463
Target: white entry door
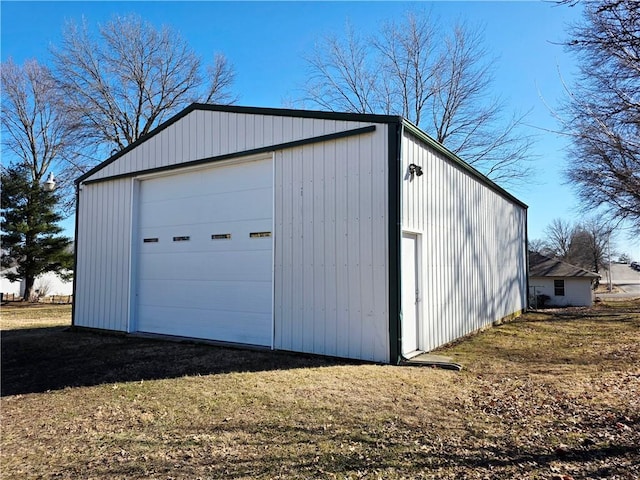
205	263
410	293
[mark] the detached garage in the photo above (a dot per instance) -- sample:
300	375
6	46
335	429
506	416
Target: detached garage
346	235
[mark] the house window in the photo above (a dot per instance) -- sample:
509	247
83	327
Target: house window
558	287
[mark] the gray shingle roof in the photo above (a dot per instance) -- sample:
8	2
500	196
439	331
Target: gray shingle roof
543	266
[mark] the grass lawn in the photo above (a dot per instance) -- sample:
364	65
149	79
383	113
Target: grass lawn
552	395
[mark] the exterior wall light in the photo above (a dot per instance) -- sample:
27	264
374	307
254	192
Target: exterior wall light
415	169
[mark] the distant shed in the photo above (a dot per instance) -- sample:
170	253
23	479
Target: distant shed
346	235
563	283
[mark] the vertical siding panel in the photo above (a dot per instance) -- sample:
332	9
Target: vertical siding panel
169	153
179	140
290	308
95	269
214	132
317	227
118	251
289	130
332	331
200	140
278	242
353	250
297	251
102	284
440	280
99	248
244	131
292	202
267	128
80	275
321	127
162	146
191	140
207	140
225	118
107	252
306	180
110	258
370	335
381	255
257	138
341	245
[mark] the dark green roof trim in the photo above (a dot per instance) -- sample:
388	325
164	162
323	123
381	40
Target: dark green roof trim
422	136
135	144
287	112
395	231
280	112
244	153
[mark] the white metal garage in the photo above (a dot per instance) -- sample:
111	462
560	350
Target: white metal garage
205	253
296	230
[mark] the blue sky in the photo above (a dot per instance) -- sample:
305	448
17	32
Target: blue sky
266	41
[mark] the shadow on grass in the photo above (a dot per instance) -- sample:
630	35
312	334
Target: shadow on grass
42	359
345	454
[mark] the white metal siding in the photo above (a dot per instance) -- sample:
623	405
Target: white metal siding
203	134
473	246
577	291
331	273
103	255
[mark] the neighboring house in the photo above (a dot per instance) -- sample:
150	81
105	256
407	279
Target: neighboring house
346	235
45	285
564	284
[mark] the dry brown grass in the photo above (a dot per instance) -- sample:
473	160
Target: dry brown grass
29	315
548	395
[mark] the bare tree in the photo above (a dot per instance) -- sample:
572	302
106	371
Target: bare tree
583	244
35	130
341	77
538	245
437	80
589	244
124	81
35	139
559	233
602	110
411	66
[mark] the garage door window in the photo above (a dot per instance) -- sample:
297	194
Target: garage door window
260	234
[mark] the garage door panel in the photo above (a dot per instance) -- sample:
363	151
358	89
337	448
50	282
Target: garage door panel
228	207
191	284
254	297
177	266
237	327
230	178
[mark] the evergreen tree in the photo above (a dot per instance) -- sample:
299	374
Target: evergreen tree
31	240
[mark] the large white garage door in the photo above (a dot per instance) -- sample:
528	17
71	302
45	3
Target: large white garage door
205	254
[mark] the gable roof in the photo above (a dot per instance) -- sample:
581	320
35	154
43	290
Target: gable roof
279	112
543	266
341	116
